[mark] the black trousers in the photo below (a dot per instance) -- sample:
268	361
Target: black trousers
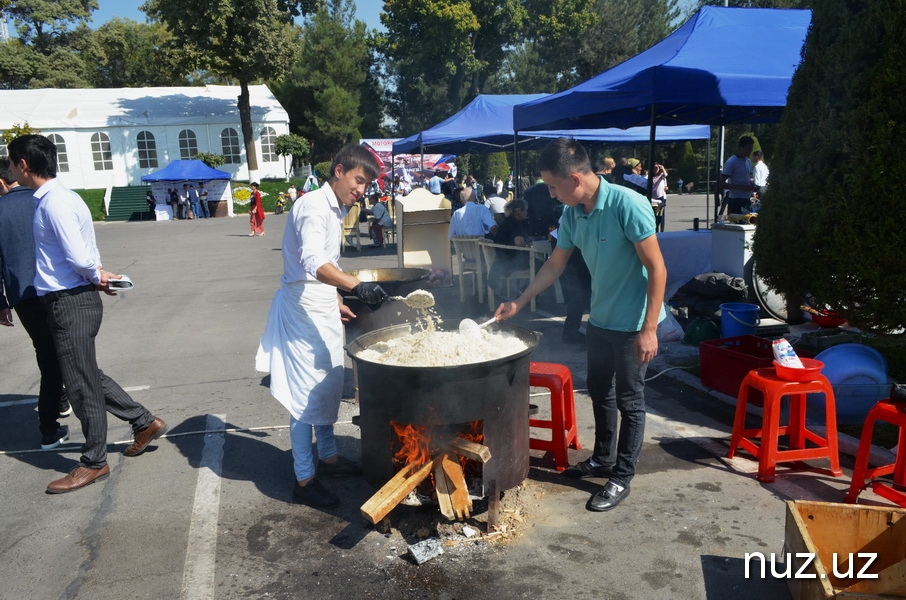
33	317
74	317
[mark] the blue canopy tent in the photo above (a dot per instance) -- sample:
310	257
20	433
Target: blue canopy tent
186	170
192	171
704	72
486	125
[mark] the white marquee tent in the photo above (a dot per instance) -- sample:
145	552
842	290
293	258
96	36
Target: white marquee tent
111	137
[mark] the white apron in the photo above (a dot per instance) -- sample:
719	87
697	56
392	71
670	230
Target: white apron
302	349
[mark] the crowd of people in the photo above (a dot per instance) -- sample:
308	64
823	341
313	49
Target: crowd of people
52	278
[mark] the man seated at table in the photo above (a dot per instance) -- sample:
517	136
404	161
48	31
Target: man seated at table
381	220
472	219
512	232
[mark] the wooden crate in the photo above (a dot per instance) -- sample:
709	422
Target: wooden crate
839	532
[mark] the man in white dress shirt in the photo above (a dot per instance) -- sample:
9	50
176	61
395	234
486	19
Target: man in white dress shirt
69	276
472	219
302	344
760	174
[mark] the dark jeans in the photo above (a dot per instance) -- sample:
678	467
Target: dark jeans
616	383
74	317
33	317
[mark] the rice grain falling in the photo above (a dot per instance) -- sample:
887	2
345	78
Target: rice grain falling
419	299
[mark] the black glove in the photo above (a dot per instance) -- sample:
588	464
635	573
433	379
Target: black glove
370	293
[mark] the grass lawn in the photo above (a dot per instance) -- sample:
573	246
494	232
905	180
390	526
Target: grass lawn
95	201
269	188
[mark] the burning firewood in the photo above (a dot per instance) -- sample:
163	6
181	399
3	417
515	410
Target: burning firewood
471	450
462	503
379	506
449	480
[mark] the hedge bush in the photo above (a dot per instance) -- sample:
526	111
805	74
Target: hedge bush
832	220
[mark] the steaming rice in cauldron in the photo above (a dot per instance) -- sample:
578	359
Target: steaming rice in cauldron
442	349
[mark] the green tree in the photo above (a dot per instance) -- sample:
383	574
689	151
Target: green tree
240	40
496	165
439	53
44	53
330	80
47	24
831	221
294	146
688	166
574	40
125	53
212	160
16	130
623	29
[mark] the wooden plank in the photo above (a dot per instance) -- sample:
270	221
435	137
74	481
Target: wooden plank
462	503
379	506
890	581
443	488
471	450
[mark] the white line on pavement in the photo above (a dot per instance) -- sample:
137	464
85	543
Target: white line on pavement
201	554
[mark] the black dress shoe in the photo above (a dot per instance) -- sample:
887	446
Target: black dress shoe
608	498
315	494
586	469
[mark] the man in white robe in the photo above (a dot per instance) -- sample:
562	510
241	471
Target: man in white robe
302	345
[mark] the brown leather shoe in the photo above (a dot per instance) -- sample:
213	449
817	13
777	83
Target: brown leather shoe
144	437
77	479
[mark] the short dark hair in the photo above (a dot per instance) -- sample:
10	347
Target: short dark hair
746	140
352	156
564	156
5	174
36	150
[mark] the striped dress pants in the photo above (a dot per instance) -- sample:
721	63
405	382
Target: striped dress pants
74	317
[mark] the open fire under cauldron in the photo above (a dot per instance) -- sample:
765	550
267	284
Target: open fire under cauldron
491	398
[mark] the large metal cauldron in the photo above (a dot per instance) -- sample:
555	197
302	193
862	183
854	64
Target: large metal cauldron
495	392
396	282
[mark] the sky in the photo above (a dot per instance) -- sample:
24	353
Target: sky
366	10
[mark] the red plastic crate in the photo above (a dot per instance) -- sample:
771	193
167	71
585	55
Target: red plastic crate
726	362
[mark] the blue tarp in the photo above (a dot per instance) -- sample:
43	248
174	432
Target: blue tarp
186	170
723	66
486	125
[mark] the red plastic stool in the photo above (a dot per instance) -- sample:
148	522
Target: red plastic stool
768	452
562	424
895	414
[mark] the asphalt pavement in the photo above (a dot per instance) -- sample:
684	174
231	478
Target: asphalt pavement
207	511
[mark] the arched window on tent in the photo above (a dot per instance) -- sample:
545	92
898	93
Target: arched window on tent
147	150
229	141
188	144
62	157
100	152
268	144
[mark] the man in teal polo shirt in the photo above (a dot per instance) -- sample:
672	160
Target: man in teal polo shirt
615	230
